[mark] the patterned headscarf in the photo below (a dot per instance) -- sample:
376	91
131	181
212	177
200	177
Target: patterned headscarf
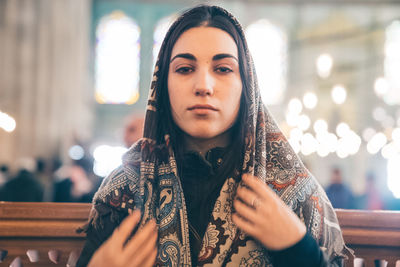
148	180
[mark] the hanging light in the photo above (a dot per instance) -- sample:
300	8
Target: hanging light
381	86
107	158
320	125
339	94
295	106
376	143
7	122
310	100
324	65
342	129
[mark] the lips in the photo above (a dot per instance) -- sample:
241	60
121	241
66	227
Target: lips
202	107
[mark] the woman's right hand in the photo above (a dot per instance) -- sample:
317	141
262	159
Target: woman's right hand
140	250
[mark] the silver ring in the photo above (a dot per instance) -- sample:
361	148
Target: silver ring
256	202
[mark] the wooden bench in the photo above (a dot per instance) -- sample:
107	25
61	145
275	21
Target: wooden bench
44	228
373	235
49	228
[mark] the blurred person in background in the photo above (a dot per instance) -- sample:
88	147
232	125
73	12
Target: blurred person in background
24	187
338	192
4	174
372	199
45	176
133	129
76	182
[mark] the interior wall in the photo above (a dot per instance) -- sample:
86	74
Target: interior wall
44	78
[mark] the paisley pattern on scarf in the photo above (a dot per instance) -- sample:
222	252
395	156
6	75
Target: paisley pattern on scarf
213	239
148	181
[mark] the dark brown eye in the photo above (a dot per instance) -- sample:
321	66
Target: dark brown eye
184	70
223	70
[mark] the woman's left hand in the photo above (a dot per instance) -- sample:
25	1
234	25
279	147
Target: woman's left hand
261	214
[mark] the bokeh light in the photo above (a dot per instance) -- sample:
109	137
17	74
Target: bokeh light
295	106
76	152
381	86
324	65
320	125
310	100
339	94
107	158
7	122
376	143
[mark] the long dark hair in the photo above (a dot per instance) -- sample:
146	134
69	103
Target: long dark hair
206	16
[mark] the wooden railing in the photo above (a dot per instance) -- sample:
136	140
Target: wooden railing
46	230
373	235
43	234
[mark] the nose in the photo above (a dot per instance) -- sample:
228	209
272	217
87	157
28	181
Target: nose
204	83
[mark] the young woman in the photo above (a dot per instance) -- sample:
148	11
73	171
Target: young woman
213	182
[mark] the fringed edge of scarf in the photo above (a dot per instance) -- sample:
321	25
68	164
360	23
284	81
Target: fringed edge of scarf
96	218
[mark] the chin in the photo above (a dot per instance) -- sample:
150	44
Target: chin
206	132
202	134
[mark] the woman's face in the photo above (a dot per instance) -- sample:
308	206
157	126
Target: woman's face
204	83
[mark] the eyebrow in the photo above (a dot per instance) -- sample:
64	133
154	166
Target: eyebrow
214	58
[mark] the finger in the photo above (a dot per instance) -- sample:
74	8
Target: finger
134	246
259	187
247	196
145	250
125	229
246	212
244	225
151	259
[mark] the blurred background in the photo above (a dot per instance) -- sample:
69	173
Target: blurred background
75	74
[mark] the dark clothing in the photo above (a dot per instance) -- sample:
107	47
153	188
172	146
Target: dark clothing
62	193
340	196
304	253
201	188
24	188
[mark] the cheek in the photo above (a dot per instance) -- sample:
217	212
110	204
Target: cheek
236	101
175	102
236	96
172	94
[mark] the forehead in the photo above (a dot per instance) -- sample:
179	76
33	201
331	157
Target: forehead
205	40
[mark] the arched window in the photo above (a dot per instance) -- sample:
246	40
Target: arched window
268	46
392	63
117	60
159	33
